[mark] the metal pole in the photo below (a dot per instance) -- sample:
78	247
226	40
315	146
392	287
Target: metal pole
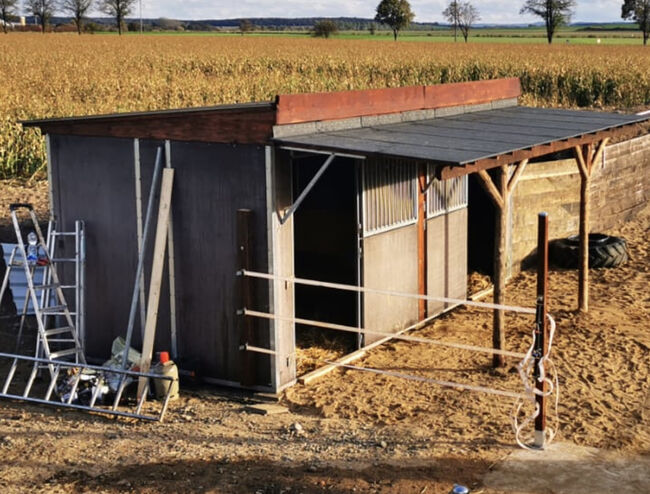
138	274
310	186
138	218
541	326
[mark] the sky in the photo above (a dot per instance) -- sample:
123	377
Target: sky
492	11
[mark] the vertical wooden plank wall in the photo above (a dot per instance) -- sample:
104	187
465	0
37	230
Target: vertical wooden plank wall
281	263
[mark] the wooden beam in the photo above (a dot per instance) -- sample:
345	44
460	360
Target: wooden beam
584	159
422	241
519	170
156	275
246	126
453	171
500	265
312	107
600	150
247	370
580	160
491	189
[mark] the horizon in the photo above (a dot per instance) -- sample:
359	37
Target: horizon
493	12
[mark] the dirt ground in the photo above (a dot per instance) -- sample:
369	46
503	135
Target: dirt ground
20	191
353	431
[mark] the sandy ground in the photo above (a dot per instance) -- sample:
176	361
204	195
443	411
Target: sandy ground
357	432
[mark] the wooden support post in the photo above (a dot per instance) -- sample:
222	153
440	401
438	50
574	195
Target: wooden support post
500	194
514	180
541	326
586	158
156	276
422	240
246	329
500	266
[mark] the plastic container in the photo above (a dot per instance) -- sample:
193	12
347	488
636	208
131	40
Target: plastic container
32	249
167	369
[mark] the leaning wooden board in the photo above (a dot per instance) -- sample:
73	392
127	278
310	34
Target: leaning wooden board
156	275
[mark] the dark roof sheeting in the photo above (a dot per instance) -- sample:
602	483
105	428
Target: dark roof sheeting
466	138
239	107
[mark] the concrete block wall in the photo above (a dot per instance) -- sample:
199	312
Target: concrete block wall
620	188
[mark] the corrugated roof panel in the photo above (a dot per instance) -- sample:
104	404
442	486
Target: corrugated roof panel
466	138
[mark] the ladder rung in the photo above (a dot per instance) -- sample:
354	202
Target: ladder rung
47	287
66	340
65	353
63	234
55	309
63	259
65	329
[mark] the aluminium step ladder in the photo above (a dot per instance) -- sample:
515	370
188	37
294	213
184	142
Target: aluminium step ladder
46	297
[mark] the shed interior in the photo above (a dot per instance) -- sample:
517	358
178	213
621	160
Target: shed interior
326	248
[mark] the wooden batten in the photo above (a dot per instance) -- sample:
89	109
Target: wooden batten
301	108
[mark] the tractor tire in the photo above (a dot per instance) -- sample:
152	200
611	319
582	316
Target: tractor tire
604	251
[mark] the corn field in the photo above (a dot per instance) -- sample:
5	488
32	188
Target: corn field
63	75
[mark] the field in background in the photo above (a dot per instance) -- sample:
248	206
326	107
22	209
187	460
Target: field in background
62	75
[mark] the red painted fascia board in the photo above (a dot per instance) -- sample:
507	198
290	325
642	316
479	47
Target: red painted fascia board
313	107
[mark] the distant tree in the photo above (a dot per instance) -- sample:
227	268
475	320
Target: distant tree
452	13
372	29
78	9
118	10
43	10
325	28
555	13
245	26
639	11
467	16
396	14
7	12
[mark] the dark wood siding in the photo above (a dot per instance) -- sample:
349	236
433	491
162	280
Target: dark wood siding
93	179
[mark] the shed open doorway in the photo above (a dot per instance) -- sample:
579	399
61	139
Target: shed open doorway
481	229
326	249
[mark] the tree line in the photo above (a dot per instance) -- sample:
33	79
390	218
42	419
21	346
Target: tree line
44	10
397	14
394	14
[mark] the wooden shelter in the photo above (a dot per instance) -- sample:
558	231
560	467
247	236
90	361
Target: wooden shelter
366	188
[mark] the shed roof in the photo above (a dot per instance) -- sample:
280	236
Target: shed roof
472	139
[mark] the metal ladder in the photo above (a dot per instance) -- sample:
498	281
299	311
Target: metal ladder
46	297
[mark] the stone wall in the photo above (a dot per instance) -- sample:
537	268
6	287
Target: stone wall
620	188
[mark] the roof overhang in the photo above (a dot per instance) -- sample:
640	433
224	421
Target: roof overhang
254	123
250	123
465	143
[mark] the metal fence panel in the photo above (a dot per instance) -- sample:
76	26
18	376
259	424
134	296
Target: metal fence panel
389	195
